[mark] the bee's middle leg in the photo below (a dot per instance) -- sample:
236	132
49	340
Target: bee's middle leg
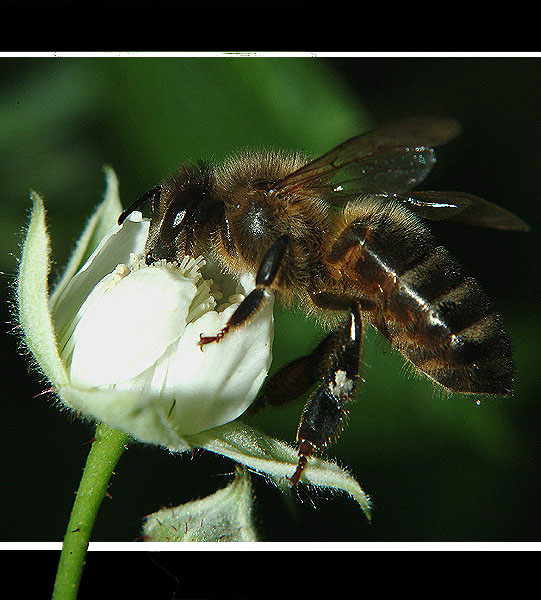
266	274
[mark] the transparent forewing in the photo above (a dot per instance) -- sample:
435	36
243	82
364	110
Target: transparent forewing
391	171
392	158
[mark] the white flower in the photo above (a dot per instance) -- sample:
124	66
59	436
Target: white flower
128	335
118	340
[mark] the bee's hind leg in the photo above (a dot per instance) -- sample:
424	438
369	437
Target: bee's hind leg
326	410
334	364
295	378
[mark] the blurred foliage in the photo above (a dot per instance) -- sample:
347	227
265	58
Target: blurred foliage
437	468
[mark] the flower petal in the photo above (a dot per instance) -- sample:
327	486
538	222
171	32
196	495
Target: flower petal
277	460
124	330
114	248
33	297
225	516
229	373
183	391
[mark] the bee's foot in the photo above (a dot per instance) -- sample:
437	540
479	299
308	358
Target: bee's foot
306	449
209	339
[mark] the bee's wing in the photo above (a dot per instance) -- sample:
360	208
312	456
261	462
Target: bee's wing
391	158
388	162
460	207
433	205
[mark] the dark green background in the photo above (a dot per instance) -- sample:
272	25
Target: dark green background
437	469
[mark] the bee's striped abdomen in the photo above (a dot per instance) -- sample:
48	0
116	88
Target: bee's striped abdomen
431	311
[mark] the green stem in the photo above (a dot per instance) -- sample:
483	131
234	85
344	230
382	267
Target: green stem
100	464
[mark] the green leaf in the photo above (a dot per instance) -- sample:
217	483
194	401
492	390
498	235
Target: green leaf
225	516
33	297
277	460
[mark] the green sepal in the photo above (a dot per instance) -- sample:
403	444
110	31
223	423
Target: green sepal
277	460
225	516
32	297
103	218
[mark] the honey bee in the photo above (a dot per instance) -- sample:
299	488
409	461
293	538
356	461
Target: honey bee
343	235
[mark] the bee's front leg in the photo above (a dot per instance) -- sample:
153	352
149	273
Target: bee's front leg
265	277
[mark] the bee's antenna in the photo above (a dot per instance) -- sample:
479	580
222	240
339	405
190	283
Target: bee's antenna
137	204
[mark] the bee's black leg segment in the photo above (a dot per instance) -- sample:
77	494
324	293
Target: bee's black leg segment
139	202
295	378
268	269
244	311
327	408
265	277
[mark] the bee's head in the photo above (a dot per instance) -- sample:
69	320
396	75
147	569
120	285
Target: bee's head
181	207
179	212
